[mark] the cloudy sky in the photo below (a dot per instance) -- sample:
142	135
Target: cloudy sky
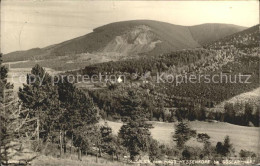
39	23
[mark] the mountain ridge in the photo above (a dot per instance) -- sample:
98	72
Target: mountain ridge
161	38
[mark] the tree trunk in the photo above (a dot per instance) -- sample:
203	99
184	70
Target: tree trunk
71	144
79	154
5	155
99	150
112	156
38	130
97	158
61	148
64	142
46	145
117	157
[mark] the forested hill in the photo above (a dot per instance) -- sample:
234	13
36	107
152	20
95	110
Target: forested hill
131	38
245	40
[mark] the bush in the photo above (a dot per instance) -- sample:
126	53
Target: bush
245	154
154	151
190	153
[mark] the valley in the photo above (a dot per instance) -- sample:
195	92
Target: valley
138	117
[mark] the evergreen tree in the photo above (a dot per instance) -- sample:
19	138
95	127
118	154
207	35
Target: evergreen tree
135	133
41	98
154	151
78	117
204	138
12	125
109	143
225	148
7	118
182	134
132	107
83	118
107	140
136	137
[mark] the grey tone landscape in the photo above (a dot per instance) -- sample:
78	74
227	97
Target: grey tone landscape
91	83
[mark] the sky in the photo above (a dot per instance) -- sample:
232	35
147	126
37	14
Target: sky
40	23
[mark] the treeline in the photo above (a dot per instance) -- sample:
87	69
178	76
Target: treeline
245	115
111	103
153	63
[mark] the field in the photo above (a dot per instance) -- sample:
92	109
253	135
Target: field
241	137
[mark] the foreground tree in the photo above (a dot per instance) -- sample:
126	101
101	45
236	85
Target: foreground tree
182	134
155	152
41	98
79	116
8	117
226	148
109	143
135	133
136	137
207	148
132	107
12	124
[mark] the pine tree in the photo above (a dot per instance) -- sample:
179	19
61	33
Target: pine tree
41	98
154	151
132	107
6	117
109	143
79	116
228	147
182	134
135	137
85	116
107	140
225	148
9	124
135	133
10	121
204	138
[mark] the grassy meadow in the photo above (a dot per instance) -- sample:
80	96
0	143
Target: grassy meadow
242	137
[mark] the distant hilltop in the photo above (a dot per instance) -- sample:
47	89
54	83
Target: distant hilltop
131	38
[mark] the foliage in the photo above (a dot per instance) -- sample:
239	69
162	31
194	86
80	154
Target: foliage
246	153
60	109
110	144
191	153
182	134
155	152
41	98
226	148
135	137
12	124
203	137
